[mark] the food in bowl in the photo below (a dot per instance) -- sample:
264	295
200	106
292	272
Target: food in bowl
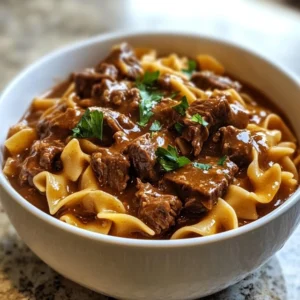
153	147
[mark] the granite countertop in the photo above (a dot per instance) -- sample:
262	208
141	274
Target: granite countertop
29	29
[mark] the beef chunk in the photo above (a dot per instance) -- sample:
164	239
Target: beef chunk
115	120
108	70
216	112
123	57
44	155
236	144
49	153
111	169
156	209
208	80
59	123
200	189
238	116
116	93
164	112
141	153
85	81
30	167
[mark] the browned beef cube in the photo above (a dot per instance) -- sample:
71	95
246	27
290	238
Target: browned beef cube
141	152
84	82
165	113
216	112
115	120
237	144
44	155
123	57
30	167
49	152
59	123
113	93
142	155
199	188
108	70
238	116
208	80
156	209
111	169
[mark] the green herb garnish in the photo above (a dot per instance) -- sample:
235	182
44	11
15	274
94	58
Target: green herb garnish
155	126
179	127
182	106
150	96
90	125
192	65
202	166
174	94
169	159
222	160
198	119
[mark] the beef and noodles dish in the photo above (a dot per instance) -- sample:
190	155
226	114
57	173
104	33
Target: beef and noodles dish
153	147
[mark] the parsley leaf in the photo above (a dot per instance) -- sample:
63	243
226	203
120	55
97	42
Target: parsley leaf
90	125
192	65
222	160
150	96
150	77
169	159
174	94
202	166
155	126
179	127
198	119
182	106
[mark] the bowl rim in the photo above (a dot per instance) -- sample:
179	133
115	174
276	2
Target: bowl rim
129	242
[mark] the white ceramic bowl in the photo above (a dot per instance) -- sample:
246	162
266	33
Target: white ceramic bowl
141	269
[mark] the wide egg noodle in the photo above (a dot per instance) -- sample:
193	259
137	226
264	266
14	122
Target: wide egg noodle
210	63
44	103
74	160
265	183
20	141
221	218
273	121
125	225
95	225
242	201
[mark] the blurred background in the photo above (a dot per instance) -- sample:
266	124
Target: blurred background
32	28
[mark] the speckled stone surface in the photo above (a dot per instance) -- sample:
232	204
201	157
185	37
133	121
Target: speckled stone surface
29	29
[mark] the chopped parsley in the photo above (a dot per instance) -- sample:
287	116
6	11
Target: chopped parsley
202	166
155	126
179	127
174	94
198	119
182	106
169	159
90	125
150	96
222	160
192	65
